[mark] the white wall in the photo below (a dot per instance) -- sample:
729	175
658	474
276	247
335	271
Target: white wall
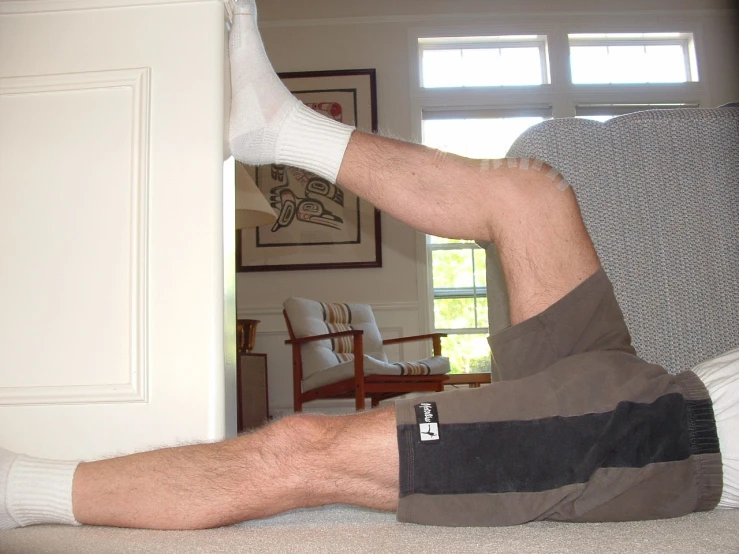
341	34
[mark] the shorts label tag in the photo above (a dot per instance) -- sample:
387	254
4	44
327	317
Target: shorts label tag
427	416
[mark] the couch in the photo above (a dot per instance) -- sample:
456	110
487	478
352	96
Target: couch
659	194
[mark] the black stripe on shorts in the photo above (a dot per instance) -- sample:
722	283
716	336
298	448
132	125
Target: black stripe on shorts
548	453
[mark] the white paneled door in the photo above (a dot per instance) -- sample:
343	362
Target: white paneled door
112	291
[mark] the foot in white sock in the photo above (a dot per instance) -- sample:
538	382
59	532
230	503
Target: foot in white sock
260	102
35	491
268	124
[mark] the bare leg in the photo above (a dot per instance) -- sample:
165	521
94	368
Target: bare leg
530	214
544	247
298	461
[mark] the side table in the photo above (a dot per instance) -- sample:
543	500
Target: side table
472	380
252	391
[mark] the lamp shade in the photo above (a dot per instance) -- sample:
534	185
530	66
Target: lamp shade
252	208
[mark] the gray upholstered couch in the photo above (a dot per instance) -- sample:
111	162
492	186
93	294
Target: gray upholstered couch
660	195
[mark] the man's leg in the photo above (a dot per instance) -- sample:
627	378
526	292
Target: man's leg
523	206
520	205
296	462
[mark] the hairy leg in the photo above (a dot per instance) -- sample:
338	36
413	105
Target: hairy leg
299	461
523	206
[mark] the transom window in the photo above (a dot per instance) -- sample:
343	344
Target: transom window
632	58
483	61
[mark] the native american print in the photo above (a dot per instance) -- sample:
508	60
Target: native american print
310	207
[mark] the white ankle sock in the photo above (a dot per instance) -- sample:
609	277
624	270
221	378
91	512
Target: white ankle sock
268	124
35	491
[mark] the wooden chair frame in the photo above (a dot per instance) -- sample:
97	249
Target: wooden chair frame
377	387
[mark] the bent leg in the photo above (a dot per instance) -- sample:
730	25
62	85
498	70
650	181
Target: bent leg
522	206
525	208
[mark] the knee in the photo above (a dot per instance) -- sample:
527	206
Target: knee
321	437
307	432
536	186
544	174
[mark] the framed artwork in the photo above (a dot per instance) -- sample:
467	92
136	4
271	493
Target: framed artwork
319	225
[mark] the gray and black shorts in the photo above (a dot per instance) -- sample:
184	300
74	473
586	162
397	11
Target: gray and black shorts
580	429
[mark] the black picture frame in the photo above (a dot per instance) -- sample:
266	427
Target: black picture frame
346	232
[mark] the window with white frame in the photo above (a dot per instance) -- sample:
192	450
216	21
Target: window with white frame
460	303
483	61
632	58
476	94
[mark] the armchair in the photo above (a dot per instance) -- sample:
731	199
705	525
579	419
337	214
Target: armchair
338	352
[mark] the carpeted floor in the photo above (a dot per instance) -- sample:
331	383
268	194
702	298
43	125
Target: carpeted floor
347	529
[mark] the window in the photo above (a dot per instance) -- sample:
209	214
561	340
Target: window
483	61
460	302
475	95
632	58
477	135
